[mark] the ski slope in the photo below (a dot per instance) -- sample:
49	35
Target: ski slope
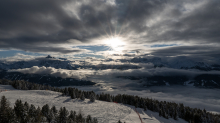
105	112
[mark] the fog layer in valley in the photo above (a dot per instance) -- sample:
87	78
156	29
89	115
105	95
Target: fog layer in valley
189	96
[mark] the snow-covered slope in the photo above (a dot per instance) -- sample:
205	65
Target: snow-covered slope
105	112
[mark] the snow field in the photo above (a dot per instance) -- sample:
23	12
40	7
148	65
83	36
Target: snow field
105	112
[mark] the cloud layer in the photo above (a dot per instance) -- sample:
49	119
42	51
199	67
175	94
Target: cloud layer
53	26
77	74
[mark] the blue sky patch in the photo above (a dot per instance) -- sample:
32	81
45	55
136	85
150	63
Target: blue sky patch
10	53
95	48
89	55
163	45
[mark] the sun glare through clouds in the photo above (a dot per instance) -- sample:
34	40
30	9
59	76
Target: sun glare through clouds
116	43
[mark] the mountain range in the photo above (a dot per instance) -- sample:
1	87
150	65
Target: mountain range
202	80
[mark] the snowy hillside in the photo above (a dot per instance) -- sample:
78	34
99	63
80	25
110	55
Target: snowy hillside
105	112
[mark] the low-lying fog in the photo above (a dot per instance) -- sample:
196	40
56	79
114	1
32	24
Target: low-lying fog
188	95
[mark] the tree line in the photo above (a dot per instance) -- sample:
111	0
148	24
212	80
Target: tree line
164	108
26	113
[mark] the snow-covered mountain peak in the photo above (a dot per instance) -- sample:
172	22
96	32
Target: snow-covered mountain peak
47	62
187	63
49	56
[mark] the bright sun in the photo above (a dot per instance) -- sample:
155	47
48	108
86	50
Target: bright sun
116	43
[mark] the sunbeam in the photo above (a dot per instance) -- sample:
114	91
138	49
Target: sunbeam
116	43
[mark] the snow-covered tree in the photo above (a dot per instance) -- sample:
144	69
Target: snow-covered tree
38	115
51	117
82	97
73	95
55	111
32	110
45	110
63	115
72	115
4	110
92	97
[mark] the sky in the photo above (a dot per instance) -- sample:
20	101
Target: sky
106	28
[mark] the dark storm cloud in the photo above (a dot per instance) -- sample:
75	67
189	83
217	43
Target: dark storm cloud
136	12
54	49
27	24
200	25
206	53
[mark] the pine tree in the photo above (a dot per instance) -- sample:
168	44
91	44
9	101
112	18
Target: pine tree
160	113
20	111
26	106
175	115
66	92
94	120
136	105
63	115
79	117
45	110
73	96
32	111
55	111
51	117
187	116
120	99
119	121
145	107
12	116
72	116
97	97
109	98
4	110
26	110
88	119
92	97
197	118
43	119
38	115
82	97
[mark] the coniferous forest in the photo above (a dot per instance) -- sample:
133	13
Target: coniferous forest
165	109
26	113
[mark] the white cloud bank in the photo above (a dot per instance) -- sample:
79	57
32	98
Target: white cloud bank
78	74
